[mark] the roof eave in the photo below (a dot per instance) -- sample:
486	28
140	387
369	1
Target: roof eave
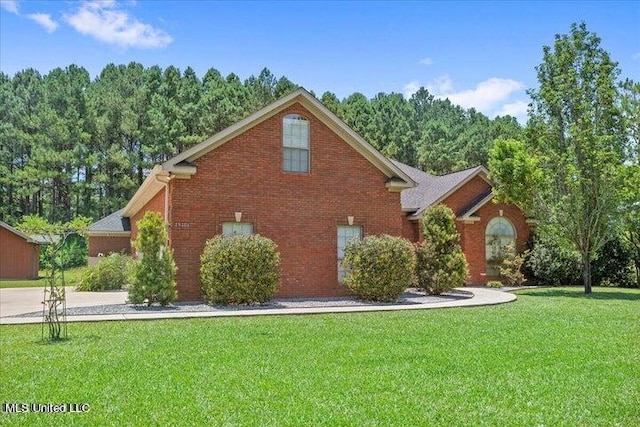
19	233
149	188
99	233
469	213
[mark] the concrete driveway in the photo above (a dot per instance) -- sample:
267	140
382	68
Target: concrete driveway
27	300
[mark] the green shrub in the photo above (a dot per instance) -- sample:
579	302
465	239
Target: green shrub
242	269
110	273
512	266
554	266
380	268
154	274
441	265
613	266
494	284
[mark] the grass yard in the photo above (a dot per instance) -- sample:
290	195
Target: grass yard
71	276
553	358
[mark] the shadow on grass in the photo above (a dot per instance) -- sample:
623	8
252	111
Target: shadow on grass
578	292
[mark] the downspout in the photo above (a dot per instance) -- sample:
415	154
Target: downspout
165	180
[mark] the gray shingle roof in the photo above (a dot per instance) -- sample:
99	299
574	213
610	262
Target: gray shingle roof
431	189
111	223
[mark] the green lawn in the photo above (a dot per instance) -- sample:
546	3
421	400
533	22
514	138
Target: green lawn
71	276
553	358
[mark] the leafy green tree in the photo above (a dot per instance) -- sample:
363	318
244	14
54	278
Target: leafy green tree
437	150
283	87
390	129
154	274
189	112
331	101
630	224
10	148
441	265
223	102
262	89
576	134
515	173
357	113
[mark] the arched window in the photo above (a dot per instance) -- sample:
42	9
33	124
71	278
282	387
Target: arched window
295	143
500	237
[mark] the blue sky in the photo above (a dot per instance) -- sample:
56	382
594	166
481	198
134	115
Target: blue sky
479	54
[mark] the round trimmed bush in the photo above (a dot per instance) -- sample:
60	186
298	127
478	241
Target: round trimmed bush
380	267
242	269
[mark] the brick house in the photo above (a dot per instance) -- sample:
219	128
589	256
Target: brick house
293	172
19	254
485	228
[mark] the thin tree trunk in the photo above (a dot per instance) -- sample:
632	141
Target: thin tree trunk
586	273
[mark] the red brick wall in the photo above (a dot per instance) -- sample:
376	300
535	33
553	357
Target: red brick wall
474	237
300	212
411	229
467	193
108	244
155	204
19	259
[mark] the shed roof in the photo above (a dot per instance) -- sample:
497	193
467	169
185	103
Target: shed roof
29	239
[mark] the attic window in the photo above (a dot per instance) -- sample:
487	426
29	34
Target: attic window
295	143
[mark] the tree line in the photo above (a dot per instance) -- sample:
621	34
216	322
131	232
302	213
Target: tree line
75	146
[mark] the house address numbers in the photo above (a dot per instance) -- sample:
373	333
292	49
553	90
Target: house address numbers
181	224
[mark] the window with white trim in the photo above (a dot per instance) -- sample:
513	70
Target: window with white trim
346	233
500	237
236	228
295	143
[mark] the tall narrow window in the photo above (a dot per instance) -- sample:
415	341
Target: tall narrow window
235	228
295	143
346	233
500	237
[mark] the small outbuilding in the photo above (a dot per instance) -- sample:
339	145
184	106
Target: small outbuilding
19	254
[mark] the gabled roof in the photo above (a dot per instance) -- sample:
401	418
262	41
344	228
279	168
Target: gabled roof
431	189
181	165
19	233
113	224
471	207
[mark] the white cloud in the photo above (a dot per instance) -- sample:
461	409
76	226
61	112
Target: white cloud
411	88
426	61
485	96
45	21
442	84
105	21
10	5
515	109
